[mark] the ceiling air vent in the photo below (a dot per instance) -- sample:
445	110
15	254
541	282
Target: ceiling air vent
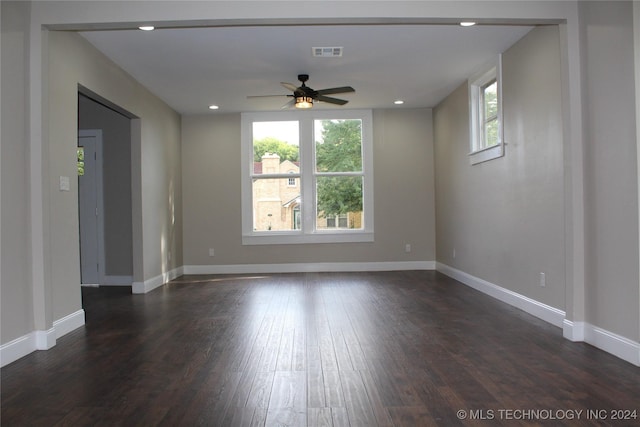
327	52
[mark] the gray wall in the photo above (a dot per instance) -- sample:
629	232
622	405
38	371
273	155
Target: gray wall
116	141
73	61
403	195
17	307
512	229
598	47
504	218
611	184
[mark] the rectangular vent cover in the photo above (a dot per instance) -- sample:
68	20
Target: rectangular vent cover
327	52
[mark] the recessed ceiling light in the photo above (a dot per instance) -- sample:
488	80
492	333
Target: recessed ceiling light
398	102
213	107
147	28
467	24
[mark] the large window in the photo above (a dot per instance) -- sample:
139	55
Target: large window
485	103
307	177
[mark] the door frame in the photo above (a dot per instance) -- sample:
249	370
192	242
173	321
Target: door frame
97	135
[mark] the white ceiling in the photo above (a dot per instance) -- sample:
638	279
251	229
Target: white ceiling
192	68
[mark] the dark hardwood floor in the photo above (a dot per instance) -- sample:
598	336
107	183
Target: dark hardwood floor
318	349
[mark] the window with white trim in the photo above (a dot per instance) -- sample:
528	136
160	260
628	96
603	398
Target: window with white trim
328	156
485	105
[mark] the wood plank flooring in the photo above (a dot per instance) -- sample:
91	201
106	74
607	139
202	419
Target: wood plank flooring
315	349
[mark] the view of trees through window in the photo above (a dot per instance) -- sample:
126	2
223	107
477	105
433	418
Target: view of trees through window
337	175
339	172
490	113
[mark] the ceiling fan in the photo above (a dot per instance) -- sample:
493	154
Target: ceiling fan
304	96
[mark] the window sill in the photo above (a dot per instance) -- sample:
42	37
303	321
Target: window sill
486	154
270	238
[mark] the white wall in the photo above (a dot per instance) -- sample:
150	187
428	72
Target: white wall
403	185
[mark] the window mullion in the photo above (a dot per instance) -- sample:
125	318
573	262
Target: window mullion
307	179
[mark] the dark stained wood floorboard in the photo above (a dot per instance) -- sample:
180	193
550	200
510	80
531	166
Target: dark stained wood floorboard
311	349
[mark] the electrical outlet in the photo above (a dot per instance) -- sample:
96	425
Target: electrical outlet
543	280
211	252
407	247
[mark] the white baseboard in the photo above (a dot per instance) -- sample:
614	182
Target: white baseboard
17	348
117	281
309	267
44	340
40	340
68	323
535	308
573	331
617	345
156	282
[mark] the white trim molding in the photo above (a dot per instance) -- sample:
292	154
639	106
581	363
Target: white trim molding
573	331
309	267
68	323
535	308
612	343
44	340
40	340
17	348
619	346
155	282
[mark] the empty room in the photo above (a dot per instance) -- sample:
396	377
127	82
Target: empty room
347	213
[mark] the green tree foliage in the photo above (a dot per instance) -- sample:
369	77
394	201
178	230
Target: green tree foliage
490	101
341	147
275	146
339	151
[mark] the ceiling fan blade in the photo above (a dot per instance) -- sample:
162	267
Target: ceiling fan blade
331	100
332	90
289	86
291	103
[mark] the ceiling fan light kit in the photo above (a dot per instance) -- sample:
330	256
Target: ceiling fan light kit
304	102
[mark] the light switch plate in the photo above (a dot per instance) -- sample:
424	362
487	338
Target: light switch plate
65	184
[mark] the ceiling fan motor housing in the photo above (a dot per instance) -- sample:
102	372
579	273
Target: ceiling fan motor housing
305	90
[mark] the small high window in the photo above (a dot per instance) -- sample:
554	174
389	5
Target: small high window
485	103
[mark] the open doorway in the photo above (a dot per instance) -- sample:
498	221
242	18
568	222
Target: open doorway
91	207
105	193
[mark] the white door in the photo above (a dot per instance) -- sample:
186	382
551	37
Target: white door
91	207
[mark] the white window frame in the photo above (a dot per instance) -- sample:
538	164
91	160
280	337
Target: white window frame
480	153
307	233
